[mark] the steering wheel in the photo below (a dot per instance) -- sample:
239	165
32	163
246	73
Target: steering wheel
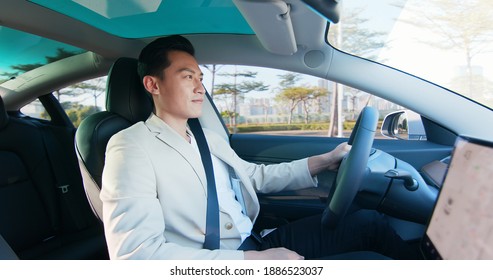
352	168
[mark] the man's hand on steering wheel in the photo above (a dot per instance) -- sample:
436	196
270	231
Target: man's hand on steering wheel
337	155
352	169
328	161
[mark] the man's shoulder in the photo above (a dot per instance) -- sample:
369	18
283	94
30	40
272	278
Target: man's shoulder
132	131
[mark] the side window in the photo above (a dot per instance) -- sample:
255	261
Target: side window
78	100
83	99
275	102
35	110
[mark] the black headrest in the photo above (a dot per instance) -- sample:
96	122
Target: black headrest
125	94
4	117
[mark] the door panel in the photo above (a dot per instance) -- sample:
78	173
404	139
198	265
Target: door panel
282	207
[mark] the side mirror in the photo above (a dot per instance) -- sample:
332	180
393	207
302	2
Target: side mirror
404	124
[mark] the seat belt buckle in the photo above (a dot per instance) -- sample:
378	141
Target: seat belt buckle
64	188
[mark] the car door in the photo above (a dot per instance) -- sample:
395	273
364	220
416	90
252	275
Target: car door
279	208
274	146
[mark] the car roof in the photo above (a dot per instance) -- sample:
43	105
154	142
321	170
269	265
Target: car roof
141	19
81	29
68	22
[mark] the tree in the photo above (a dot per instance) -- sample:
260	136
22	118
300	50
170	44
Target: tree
213	68
61	53
236	90
289	79
295	95
228	115
357	40
265	106
79	112
353	95
481	88
94	88
471	36
22	68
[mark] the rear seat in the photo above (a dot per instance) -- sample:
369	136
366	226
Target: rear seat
39	217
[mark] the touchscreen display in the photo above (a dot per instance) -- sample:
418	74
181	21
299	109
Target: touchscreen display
461	226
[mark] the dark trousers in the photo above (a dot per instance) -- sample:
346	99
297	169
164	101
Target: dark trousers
364	230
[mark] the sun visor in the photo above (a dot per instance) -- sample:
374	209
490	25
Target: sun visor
271	22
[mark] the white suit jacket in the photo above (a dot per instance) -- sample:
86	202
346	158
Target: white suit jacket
154	193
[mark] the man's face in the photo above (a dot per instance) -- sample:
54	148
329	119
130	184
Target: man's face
180	94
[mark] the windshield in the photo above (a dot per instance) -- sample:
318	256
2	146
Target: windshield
449	43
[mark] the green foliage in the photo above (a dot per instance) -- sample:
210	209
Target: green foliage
21	68
302	93
79	112
228	114
349	125
289	79
298	94
243	87
282	127
235	91
324	126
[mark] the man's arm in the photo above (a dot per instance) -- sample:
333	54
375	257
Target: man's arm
294	175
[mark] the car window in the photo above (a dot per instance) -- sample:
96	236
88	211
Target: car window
83	99
78	100
35	110
275	102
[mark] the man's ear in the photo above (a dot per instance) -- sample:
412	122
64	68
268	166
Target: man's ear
150	84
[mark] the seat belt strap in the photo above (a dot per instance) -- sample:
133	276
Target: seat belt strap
212	235
59	167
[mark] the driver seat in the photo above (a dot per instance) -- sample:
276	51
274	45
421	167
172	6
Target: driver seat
127	103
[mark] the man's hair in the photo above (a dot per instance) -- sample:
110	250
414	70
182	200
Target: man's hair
153	58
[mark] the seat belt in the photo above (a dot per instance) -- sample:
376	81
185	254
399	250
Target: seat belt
211	241
59	167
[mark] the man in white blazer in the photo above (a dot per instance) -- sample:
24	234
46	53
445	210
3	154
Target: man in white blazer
154	184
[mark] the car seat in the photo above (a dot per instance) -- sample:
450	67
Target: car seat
39	219
127	103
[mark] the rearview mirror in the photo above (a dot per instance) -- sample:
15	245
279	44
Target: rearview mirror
329	9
